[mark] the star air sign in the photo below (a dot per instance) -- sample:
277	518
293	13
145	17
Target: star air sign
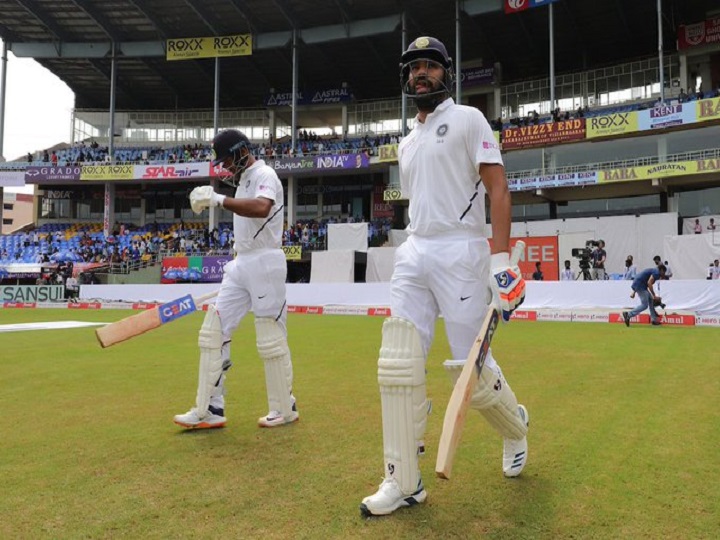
208	47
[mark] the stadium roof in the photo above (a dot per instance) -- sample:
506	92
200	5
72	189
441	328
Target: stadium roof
353	41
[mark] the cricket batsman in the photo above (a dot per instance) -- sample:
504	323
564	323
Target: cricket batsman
447	165
255	280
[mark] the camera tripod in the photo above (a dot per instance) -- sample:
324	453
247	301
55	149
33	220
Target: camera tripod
584	274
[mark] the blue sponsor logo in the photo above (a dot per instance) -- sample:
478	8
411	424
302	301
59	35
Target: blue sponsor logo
176	309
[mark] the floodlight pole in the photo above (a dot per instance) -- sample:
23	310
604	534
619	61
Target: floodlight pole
551	35
660	51
3	82
294	91
403	103
113	78
458	45
216	97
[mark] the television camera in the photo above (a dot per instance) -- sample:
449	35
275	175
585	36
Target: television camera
584	256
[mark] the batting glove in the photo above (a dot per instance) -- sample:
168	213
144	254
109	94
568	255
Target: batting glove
203	197
507	283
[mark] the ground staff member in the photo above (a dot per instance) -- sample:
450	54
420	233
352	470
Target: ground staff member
445	267
255	280
643	286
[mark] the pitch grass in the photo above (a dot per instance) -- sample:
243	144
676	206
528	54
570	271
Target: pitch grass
624	437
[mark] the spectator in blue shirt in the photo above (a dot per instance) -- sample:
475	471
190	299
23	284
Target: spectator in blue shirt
643	286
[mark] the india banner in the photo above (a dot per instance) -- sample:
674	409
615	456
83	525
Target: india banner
208	47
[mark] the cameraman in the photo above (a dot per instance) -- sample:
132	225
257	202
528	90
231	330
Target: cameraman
598	261
643	286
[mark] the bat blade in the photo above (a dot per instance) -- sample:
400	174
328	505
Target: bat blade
461	396
459	403
138	324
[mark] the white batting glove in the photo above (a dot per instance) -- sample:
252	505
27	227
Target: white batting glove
507	283
203	197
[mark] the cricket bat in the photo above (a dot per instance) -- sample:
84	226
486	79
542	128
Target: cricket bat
465	386
137	324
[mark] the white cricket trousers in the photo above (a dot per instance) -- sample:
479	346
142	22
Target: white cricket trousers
444	275
253	280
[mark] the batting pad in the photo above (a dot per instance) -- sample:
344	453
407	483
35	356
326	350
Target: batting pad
494	398
401	376
211	364
273	349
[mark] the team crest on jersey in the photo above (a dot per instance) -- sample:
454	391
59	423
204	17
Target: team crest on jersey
442	130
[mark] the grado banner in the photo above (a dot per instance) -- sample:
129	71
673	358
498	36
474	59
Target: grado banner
543	134
708	109
208	47
660	170
292	253
188	269
612	124
107	172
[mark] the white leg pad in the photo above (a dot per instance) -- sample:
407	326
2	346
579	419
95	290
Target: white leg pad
275	353
494	398
401	376
210	342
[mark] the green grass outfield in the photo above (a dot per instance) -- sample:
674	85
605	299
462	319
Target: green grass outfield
624	437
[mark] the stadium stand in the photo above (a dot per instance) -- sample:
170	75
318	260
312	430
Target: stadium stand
162	131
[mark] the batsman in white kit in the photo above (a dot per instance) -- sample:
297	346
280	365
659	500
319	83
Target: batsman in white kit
447	165
254	279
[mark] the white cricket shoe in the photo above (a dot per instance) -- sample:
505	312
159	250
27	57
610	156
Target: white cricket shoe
275	418
515	452
389	498
213	418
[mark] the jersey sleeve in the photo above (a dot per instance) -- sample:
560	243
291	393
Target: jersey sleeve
267	185
481	140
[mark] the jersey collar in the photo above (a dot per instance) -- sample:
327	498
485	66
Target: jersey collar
440	108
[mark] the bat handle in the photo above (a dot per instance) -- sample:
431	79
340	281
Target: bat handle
517	251
205	297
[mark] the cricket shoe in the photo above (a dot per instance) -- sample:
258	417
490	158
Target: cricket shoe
515	452
626	318
390	497
192	420
276	418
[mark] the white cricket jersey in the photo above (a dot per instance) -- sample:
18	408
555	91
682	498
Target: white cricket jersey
439	163
259	180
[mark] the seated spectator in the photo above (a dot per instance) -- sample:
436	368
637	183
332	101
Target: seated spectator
682	97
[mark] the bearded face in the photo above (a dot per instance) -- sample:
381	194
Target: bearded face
426	83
